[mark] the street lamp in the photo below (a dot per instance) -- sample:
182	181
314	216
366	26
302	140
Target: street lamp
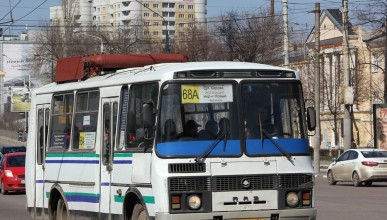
167	49
100	38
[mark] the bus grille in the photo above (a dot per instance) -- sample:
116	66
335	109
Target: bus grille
187	168
234	183
183	184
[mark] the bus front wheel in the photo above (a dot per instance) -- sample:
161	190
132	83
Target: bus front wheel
61	211
139	213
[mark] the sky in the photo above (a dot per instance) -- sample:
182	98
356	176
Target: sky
32	13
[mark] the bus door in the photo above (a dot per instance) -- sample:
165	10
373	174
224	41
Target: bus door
109	125
43	115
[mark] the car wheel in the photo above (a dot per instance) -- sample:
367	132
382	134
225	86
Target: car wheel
331	179
3	191
356	179
139	213
368	183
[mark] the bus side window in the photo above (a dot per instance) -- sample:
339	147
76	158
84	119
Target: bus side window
135	131
85	120
61	120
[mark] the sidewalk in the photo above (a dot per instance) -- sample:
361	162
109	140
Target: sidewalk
10	138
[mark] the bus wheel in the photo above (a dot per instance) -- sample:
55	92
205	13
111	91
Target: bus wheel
61	211
139	213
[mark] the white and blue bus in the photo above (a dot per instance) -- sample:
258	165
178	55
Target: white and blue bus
170	141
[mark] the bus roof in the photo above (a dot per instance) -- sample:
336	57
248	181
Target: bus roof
158	72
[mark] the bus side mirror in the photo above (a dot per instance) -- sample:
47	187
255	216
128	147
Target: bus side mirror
147	115
311	118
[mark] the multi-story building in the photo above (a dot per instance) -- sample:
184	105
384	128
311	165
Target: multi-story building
155	17
366	78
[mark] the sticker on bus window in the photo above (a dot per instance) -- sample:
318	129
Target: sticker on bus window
86	120
86	140
210	93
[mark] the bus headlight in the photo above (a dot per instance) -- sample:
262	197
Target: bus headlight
194	202
292	199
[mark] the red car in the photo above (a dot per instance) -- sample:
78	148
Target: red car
12	172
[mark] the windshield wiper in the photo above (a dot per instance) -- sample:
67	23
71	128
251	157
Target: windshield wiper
200	158
283	151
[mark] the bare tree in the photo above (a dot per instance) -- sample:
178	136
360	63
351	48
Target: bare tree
375	17
199	45
251	38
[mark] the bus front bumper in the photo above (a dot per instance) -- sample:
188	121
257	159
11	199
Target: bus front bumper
289	214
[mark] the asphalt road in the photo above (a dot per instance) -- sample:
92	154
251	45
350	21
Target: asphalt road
342	201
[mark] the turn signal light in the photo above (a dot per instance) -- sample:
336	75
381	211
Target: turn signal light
306	199
176	202
370	164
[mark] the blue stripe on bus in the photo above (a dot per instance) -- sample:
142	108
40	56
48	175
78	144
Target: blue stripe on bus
39	181
74	161
122	162
70	197
265	146
105	184
188	148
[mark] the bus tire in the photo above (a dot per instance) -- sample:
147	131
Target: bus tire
139	213
61	211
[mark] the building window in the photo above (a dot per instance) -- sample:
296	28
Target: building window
146	23
171	23
155	23
190	16
146	14
165	5
181	25
171	14
155	15
146	5
146	33
155	5
181	6
165	14
190	6
190	25
171	5
181	15
155	33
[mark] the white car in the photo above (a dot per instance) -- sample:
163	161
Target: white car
359	166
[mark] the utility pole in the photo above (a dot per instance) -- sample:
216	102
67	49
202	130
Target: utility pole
348	90
317	137
272	8
286	34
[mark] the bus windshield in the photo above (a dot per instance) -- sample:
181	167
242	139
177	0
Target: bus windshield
195	116
273	110
203	119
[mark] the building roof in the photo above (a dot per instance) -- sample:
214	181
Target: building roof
335	16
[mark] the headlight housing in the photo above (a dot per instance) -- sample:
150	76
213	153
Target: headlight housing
194	202
8	173
292	199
